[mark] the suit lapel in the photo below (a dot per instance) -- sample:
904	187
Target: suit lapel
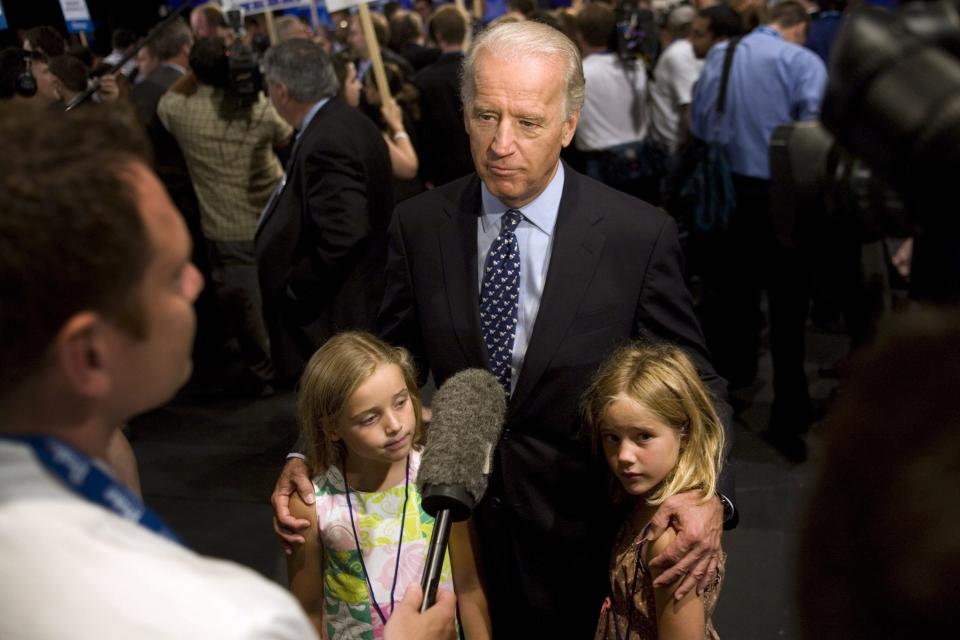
577	248
458	249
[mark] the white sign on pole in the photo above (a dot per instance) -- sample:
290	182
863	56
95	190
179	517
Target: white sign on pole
253	7
76	15
339	5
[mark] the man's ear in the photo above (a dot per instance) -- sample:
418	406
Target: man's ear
82	353
279	94
569	127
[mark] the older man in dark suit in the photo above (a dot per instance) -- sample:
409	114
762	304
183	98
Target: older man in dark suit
321	243
596	268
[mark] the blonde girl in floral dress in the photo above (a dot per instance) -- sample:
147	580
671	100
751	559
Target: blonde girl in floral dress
360	419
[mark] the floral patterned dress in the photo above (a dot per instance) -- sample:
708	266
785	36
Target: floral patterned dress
630	613
349	612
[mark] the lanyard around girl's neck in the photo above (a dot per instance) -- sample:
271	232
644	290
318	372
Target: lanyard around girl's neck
87	480
356	539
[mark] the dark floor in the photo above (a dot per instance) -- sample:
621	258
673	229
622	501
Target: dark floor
208	467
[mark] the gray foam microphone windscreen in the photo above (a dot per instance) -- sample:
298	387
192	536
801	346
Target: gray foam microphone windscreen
468	414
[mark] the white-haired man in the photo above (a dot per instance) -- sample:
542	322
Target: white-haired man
596	267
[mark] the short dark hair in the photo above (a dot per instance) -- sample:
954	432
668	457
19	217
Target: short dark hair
448	25
596	24
209	62
71	72
788	13
724	22
171	40
524	7
13	62
123	38
381	27
72	238
46	40
405	29
214	15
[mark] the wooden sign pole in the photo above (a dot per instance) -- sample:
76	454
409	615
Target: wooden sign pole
271	26
373	48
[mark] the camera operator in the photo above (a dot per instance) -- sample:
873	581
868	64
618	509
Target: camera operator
229	149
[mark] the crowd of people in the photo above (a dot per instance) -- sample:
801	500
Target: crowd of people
516	204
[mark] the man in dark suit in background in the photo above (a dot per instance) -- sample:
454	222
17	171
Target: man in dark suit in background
596	268
321	243
443	146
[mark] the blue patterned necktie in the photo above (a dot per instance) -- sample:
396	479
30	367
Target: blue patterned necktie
500	296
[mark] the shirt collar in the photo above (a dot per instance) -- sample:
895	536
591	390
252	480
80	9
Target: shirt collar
770	31
307	119
174	65
541	212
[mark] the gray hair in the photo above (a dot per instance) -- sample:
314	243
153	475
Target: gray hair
171	40
519	40
303	67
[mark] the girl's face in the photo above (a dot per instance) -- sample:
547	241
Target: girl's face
378	422
639	446
351	86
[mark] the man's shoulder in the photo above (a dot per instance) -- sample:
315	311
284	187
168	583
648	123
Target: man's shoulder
337	120
619	209
99	551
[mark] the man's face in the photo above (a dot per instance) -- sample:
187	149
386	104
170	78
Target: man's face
201	28
47	85
151	369
424	10
356	39
701	37
517	126
147	63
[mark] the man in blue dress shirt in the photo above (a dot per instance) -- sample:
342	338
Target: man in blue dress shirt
773	81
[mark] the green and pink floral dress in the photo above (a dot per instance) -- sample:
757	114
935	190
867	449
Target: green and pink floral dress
350	613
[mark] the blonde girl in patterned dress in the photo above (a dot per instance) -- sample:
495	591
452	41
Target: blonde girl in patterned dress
360	419
653	421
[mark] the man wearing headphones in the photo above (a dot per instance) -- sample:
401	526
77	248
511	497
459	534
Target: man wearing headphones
25	75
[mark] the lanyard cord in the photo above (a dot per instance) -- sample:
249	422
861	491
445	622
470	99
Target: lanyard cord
85	479
356	539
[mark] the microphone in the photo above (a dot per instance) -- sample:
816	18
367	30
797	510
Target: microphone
468	413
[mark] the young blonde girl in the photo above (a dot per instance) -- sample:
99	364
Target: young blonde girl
360	418
653	421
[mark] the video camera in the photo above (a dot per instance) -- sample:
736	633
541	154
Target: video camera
245	82
886	154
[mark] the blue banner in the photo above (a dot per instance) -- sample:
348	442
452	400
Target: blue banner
3	18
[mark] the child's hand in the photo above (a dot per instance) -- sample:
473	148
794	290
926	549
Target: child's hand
294	478
692	558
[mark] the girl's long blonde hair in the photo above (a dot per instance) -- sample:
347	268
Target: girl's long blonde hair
331	376
662	378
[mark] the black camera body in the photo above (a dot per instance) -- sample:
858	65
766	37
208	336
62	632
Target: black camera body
886	154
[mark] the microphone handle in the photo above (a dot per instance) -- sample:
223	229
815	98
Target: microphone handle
435	553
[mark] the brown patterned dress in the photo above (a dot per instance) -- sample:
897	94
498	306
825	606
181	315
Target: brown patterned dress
630	612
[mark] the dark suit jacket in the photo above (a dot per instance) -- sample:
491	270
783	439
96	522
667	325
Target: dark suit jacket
321	245
442	141
145	95
615	273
